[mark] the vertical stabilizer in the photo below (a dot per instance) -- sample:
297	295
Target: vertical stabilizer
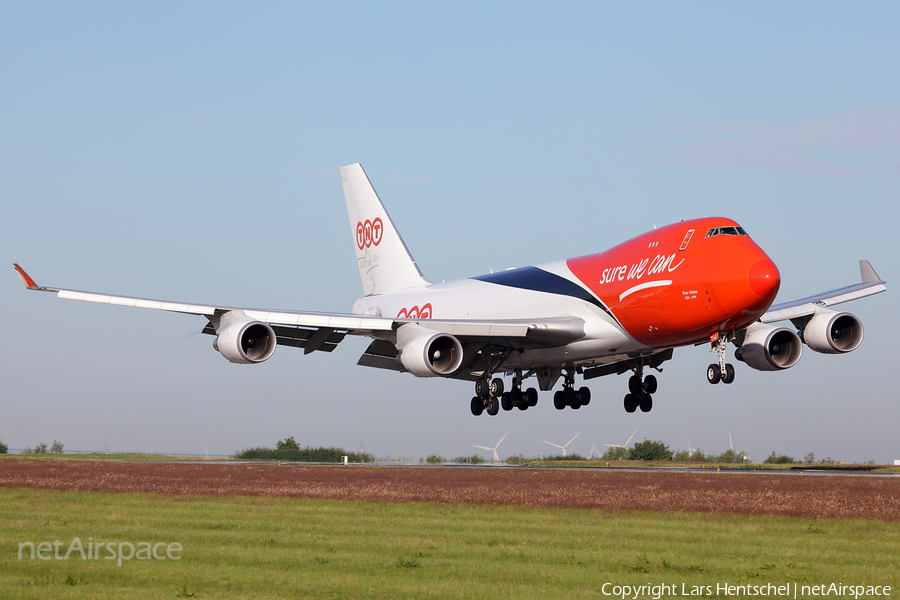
385	264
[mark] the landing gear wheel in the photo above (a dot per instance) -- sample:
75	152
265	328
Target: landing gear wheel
631	403
559	400
496	387
531	396
518	399
477	406
650	384
584	396
713	374
572	398
729	374
635	386
493	407
646	403
482	388
506	401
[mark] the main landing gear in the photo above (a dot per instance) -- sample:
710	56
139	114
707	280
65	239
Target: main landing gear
568	396
490	397
723	371
639	391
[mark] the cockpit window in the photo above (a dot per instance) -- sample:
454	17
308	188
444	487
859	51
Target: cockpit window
725	231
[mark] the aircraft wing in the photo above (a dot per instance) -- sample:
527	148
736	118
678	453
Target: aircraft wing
805	307
363	324
323	331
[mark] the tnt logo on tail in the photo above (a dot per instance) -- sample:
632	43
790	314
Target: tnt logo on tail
369	233
385	264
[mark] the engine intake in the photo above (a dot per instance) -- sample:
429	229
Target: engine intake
244	341
832	332
768	348
428	353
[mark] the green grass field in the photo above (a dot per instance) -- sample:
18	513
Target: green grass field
246	547
129	456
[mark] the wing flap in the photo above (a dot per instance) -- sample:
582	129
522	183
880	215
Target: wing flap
478	329
518	333
297	337
380	355
356	324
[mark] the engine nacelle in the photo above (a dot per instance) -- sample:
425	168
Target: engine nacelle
768	348
244	341
428	353
832	332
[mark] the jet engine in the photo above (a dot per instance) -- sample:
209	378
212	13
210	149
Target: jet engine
428	353
244	341
832	332
768	348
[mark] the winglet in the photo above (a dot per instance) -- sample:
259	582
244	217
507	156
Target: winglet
28	281
867	273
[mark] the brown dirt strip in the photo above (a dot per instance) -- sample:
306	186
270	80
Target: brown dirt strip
807	496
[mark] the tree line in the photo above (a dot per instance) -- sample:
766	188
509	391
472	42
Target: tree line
289	450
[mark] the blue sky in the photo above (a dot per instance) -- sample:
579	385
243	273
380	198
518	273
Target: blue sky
190	151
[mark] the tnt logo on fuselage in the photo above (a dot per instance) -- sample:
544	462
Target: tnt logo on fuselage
369	233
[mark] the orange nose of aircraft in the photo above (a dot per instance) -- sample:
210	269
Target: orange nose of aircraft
764	278
745	280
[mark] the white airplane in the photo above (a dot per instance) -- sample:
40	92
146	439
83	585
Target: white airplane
702	281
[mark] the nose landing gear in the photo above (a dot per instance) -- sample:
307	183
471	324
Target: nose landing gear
723	371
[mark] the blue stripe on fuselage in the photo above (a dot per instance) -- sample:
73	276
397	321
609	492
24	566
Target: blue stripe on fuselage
538	280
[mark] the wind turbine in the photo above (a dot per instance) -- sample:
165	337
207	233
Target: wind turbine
494	449
743	457
625	445
594	449
690	450
563	447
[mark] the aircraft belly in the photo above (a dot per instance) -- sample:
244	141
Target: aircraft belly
594	351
